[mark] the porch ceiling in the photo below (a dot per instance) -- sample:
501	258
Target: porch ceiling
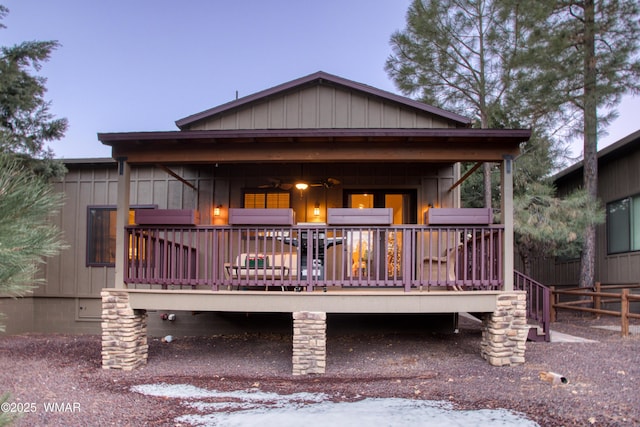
316	145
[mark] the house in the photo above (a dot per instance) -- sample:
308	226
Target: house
618	238
317	196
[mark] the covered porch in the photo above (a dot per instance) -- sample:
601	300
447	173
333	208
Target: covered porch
222	244
340	264
320	195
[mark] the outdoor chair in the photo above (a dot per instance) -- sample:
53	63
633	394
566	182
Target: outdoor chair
442	268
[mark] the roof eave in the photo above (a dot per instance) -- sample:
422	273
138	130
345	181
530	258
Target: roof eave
520	135
609	150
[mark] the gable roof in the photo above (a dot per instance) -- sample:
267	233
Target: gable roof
322	78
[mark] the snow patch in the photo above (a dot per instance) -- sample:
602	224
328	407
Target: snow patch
255	407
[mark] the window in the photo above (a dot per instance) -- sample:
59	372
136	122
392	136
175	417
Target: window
266	199
101	234
623	225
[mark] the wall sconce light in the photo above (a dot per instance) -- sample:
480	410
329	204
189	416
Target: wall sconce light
216	210
316	210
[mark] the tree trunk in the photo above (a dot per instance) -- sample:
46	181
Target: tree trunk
588	258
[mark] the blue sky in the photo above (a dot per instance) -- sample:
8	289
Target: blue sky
140	65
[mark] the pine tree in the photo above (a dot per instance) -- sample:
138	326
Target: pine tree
579	58
548	226
27	199
26	124
455	54
459	55
27	235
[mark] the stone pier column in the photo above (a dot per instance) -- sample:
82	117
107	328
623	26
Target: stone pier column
309	342
124	332
504	332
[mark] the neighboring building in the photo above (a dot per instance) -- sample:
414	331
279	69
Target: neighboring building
618	239
206	218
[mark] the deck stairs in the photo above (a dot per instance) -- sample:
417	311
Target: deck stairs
538	306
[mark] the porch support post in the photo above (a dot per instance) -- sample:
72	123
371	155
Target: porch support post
504	332
507	220
309	342
124	332
122	218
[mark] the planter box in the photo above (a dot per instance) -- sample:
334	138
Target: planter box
262	217
167	217
458	216
369	216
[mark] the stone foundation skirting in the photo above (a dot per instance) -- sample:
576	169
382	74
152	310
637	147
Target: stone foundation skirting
309	342
124	332
504	332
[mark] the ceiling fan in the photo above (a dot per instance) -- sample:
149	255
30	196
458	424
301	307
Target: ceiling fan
277	184
327	183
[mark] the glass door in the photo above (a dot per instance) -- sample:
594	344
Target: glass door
403	202
379	254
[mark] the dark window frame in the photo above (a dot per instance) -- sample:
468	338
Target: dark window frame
632	224
90	250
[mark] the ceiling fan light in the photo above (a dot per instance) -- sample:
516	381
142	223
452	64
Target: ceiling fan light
302	186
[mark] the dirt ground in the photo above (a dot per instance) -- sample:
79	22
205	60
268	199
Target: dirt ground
375	357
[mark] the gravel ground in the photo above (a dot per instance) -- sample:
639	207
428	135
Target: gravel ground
382	357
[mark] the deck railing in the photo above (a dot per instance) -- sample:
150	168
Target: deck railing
305	258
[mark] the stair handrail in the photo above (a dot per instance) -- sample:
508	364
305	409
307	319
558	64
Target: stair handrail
538	301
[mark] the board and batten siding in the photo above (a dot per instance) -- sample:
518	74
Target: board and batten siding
67	274
321	107
617	179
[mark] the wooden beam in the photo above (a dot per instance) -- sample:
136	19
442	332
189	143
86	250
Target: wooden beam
465	176
176	176
312	152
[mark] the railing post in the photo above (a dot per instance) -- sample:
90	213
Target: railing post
597	299
552	311
409	248
624	312
122	220
507	220
307	241
546	315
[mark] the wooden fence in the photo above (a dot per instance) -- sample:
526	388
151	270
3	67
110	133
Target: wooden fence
592	299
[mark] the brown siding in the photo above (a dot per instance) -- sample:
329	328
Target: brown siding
322	107
67	274
618	177
616	180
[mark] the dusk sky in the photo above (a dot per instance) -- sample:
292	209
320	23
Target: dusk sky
140	65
